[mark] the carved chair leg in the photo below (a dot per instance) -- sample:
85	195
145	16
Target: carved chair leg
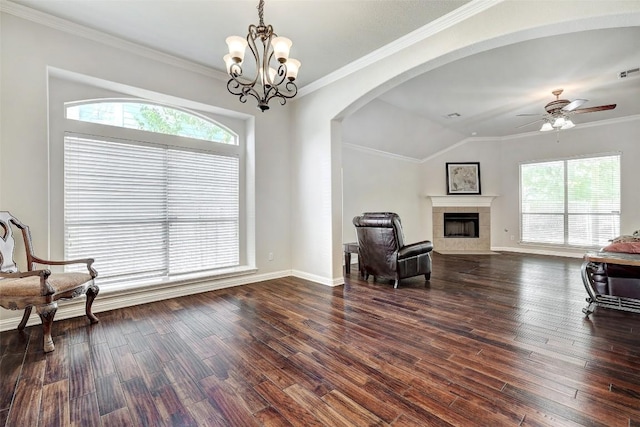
395	285
92	293
47	313
427	276
25	318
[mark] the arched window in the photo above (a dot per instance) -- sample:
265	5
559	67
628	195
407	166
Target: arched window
150	117
145	204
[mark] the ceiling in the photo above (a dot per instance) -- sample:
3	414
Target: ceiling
488	90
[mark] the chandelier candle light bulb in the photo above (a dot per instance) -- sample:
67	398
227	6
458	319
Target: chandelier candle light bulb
278	81
270	78
237	46
281	47
292	69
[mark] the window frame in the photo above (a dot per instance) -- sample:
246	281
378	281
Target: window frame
565	214
64	90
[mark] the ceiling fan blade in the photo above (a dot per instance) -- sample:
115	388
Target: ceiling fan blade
594	109
530	123
574	104
528	114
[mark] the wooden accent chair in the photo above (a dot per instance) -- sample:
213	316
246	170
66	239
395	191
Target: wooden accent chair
39	288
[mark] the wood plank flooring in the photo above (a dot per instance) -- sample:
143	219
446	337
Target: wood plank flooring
493	340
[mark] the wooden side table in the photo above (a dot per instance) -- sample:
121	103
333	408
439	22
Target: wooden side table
350	248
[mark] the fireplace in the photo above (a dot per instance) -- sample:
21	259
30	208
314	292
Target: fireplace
480	206
461	224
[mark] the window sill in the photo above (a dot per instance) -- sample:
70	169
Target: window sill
185	279
559	246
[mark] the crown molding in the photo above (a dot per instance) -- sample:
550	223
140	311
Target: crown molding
530	134
485	139
379	153
438	25
69	27
458	144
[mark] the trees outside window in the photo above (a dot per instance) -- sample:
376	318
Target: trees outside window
571	202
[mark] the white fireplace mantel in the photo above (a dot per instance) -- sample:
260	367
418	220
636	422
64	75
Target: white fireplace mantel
461	201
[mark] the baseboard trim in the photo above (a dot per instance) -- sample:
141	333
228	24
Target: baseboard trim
540	252
318	279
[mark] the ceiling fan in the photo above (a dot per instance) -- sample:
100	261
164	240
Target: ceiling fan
558	112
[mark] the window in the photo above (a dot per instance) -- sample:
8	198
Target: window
150	117
153	207
571	202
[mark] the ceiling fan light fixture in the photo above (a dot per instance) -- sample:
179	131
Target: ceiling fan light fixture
558	111
558	122
546	126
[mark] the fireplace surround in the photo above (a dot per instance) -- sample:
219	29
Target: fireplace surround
461	207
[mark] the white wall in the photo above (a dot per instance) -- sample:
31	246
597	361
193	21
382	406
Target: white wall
373	179
378	183
28	49
579	141
499	166
433	174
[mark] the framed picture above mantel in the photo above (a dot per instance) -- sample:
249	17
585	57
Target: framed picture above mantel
463	178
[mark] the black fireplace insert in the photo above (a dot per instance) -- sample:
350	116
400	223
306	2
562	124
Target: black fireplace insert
462	224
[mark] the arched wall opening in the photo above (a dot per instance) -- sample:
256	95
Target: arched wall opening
317	117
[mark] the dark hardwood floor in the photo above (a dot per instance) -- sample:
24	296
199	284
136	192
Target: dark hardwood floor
493	340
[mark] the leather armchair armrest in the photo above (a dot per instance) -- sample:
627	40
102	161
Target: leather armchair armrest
415	249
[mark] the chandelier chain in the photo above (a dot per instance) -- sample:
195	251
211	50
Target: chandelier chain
261	12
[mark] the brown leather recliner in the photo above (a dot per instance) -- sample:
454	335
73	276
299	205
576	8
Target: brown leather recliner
382	252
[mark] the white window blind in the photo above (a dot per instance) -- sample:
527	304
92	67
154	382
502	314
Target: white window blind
573	202
145	212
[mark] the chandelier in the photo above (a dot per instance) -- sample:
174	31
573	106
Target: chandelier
268	82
